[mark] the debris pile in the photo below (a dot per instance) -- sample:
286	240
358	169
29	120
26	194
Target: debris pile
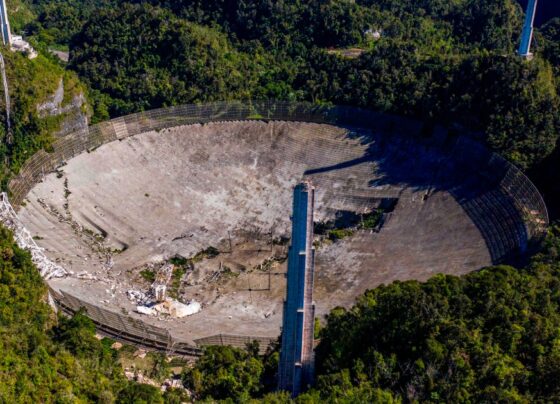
8	217
155	302
138	297
170	307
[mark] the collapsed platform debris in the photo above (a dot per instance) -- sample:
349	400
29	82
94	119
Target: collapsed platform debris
170	307
8	217
155	302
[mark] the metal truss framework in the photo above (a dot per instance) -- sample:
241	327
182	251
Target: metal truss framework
9	219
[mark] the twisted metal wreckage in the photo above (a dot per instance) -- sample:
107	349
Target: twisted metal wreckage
48	269
23	238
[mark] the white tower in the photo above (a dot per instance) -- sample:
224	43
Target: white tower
527	35
5	24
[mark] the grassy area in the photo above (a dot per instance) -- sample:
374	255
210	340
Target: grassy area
347	224
349	53
339	234
210	252
148	275
178	272
182	265
227	273
153	364
20	15
371	220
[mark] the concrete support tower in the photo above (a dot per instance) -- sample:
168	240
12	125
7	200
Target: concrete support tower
527	35
5	24
296	367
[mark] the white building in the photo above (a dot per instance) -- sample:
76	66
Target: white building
16	42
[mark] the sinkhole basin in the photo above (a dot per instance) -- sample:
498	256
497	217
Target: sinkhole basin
220	192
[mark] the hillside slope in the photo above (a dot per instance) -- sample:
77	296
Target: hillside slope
42	358
46	101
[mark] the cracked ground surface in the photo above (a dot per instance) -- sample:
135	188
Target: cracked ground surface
109	214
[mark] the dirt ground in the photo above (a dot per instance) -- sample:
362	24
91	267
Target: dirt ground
108	214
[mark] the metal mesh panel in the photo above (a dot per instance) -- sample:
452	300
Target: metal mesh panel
508	217
527	198
130	330
238	341
123	327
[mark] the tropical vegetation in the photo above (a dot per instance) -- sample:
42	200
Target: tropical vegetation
490	336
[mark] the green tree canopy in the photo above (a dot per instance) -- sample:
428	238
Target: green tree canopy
44	358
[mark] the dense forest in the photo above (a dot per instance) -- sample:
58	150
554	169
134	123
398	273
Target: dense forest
49	358
448	62
491	336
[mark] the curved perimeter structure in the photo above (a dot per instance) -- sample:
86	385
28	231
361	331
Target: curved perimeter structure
208	188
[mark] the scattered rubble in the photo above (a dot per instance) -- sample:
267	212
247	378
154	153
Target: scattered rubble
137	296
170	383
93	240
174	383
8	217
146	310
170	307
87	276
117	346
140	353
243	212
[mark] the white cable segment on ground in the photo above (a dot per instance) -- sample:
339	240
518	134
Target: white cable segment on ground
23	238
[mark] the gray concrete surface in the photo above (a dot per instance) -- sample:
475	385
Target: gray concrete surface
155	195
